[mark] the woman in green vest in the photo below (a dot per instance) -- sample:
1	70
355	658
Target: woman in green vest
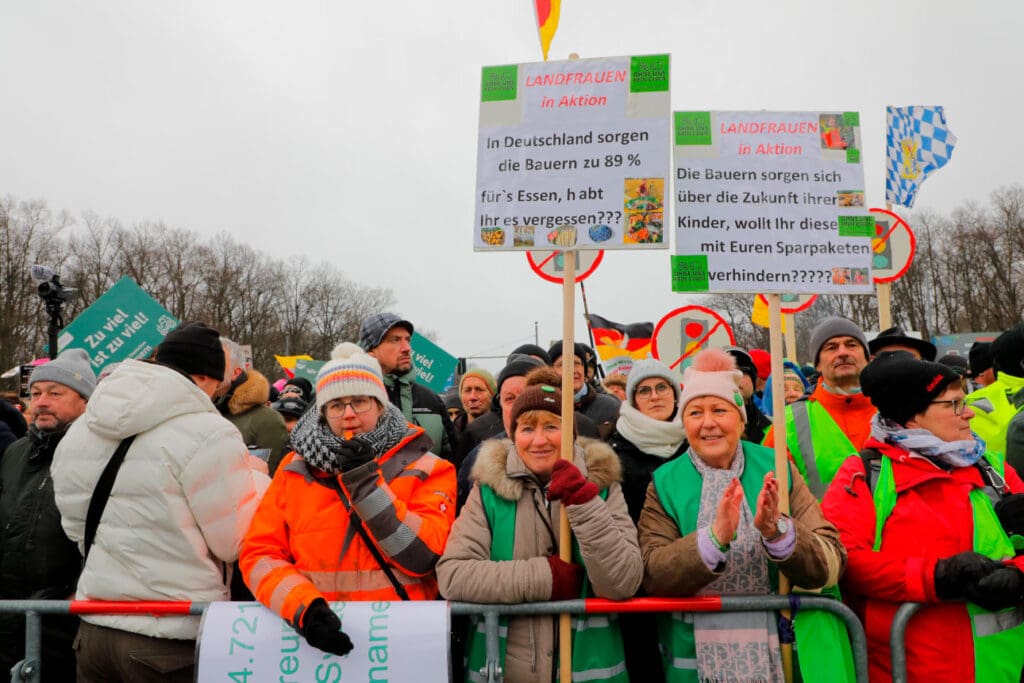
711	525
927	514
504	545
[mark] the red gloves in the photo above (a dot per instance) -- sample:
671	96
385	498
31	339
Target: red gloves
566	579
569	486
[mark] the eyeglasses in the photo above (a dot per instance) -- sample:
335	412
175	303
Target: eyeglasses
659	388
958	405
360	404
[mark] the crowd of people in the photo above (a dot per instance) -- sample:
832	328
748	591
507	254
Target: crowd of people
188	476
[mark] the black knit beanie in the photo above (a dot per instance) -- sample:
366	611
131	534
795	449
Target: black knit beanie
901	386
193	348
1008	351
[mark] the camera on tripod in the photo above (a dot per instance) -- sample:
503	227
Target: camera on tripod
54	295
50	289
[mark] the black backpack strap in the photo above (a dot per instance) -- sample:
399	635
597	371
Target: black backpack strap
101	494
356	521
871	458
995	484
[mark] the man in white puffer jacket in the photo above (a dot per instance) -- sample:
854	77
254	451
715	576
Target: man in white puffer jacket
180	506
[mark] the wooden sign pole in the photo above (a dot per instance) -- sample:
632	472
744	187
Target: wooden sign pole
781	459
568	414
885	297
790	333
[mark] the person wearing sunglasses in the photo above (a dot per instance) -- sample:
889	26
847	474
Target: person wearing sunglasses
926	514
360	510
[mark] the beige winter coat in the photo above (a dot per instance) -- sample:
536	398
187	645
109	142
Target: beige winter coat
603	528
673	567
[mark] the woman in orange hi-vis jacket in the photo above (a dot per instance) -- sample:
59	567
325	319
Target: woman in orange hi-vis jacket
360	510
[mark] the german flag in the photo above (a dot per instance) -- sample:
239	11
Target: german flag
547	22
613	339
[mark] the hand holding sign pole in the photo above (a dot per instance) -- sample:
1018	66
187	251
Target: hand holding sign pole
572	155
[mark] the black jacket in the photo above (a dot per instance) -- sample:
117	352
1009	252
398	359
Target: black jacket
36	559
637	470
12	425
602	409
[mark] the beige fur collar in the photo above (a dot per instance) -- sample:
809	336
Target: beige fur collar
254	391
498	466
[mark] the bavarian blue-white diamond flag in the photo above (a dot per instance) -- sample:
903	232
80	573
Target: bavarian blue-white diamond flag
918	143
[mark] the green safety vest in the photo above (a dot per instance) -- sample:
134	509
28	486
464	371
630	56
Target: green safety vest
679	489
993	410
816	443
597	651
998	636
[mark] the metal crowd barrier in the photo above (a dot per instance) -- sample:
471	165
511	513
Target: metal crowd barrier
897	638
29	670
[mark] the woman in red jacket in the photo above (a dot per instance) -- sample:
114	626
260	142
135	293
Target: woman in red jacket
916	515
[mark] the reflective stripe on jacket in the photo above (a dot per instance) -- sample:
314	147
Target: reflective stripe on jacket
301	546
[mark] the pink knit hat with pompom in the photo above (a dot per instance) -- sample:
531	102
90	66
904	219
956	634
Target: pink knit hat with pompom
713	373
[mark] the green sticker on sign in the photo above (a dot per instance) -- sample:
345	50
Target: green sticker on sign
499	83
853	156
856	226
851	118
648	73
693	128
690	273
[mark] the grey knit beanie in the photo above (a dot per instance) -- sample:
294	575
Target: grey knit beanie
835	327
71	368
646	369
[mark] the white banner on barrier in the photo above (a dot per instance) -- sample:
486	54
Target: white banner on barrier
244	642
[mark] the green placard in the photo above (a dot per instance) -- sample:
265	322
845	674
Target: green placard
851	118
648	73
499	83
434	366
853	156
690	273
124	323
308	369
856	226
693	127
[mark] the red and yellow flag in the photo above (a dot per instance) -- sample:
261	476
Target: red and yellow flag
547	22
287	363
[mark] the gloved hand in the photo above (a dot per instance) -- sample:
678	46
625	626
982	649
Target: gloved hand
354	452
1001	589
568	485
954	574
321	628
1010	511
566	579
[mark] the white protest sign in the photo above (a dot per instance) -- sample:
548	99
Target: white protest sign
244	642
573	154
770	202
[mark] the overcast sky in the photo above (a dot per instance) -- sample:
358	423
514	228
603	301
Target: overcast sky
347	131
